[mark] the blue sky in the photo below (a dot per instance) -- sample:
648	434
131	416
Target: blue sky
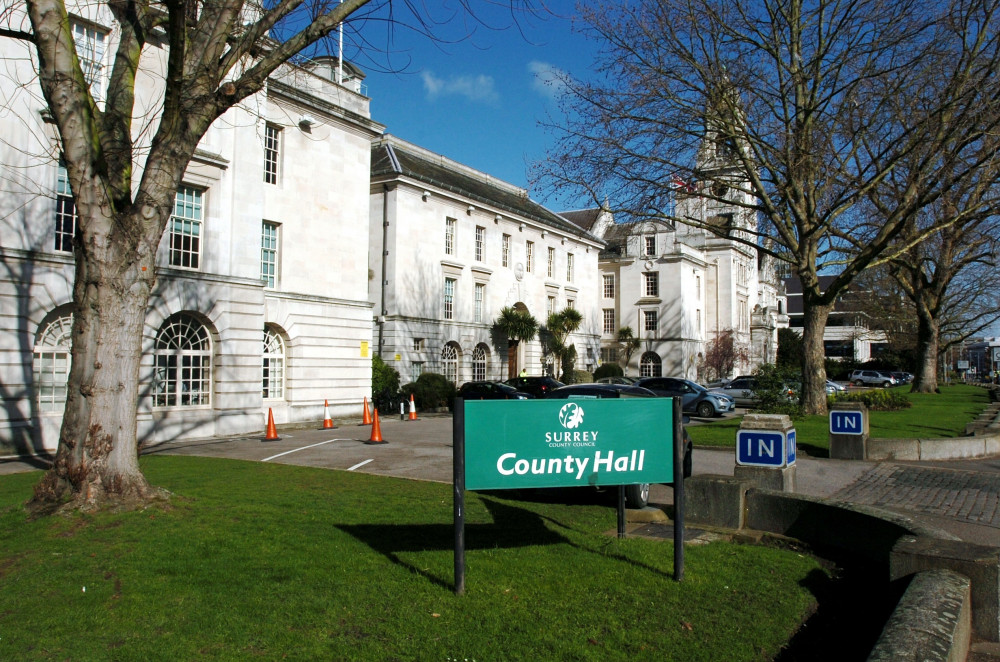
479	100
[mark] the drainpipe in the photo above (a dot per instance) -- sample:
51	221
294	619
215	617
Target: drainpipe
385	256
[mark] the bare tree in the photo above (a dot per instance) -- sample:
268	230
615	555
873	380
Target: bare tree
794	111
125	159
722	353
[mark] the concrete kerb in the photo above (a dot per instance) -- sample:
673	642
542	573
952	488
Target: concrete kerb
876	536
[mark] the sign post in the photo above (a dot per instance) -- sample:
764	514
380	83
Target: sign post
501	444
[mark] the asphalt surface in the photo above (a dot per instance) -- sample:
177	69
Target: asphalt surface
961	497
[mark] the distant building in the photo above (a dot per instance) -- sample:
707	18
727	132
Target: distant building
848	333
451	246
679	287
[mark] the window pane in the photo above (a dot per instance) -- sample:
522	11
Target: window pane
272	139
269	254
185	229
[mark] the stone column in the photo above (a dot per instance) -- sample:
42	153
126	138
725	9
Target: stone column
765	451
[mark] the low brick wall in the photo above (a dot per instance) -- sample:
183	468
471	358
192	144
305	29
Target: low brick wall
980	445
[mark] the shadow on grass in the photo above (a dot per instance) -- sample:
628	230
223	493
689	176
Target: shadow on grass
511	527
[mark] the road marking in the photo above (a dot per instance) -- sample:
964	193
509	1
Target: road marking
295	450
360	464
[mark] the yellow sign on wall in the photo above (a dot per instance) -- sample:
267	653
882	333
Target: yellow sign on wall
364	349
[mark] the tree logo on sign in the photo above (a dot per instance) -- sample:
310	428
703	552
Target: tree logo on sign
571	415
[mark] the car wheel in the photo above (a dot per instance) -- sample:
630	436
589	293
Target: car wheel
706	410
858	382
637	496
886	384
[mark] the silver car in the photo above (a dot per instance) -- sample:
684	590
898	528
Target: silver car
872	378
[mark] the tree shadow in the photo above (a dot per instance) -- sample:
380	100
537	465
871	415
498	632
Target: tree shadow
512	527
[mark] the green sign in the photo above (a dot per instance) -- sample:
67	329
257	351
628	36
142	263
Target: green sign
512	444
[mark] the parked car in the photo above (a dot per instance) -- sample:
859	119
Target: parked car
487	390
636	496
536	386
833	388
616	380
740	390
872	378
695	398
902	377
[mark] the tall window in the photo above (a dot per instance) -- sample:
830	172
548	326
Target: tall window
609	355
182	363
550	306
480	362
649	245
416	369
551	270
649	318
569	267
697	288
609	321
274	365
185	229
272	144
51	363
651	284
90	47
449	235
449	298
650	365
697	320
609	286
505	251
67	221
480	240
269	253
529	254
480	295
449	362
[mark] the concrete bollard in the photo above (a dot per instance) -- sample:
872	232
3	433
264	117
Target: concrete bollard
849	431
765	451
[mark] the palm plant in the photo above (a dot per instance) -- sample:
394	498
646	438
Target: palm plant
516	325
559	326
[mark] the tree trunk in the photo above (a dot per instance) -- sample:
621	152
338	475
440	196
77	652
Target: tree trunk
814	356
97	463
925	381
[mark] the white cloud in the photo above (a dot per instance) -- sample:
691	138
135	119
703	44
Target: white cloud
548	78
479	89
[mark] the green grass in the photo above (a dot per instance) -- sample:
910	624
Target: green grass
933	415
281	562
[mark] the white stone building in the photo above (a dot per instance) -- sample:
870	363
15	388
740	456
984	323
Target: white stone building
262	298
679	287
452	246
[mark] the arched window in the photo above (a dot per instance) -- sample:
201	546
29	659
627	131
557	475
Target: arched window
449	362
51	363
274	365
480	362
649	365
182	363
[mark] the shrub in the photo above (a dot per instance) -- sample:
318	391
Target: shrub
875	399
385	384
608	370
577	377
772	390
430	391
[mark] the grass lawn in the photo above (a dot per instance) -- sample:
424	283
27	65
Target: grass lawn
270	561
933	415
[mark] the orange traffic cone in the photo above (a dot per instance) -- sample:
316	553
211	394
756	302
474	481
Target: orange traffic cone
327	421
376	437
366	417
413	409
271	432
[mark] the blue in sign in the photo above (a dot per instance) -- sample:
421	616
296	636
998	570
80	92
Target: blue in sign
761	448
846	422
790	446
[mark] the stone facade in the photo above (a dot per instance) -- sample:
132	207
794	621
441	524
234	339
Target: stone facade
265	287
451	247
